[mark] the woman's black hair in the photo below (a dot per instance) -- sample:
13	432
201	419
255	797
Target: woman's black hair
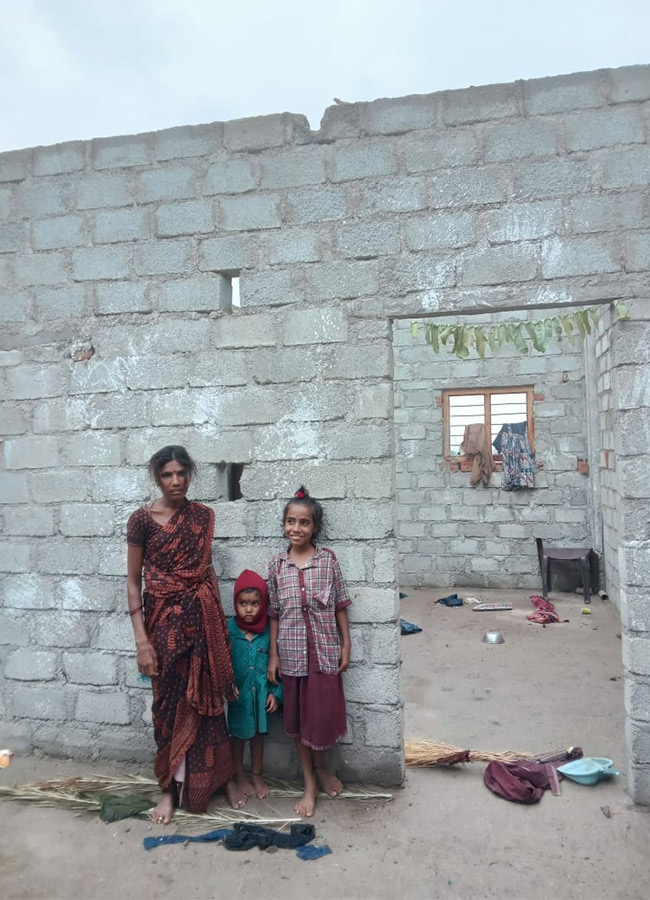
302	497
171	453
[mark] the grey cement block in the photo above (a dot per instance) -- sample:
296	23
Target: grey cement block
122	152
388	116
61	303
188	140
121	485
629	83
229	253
92	449
192	217
608	213
562	93
31	665
604	128
440	230
296	168
90	594
362	161
580	256
316	205
66	557
626	168
13	488
477	104
292	245
257	330
115	633
98	191
7	195
41	268
441	151
384	727
388	195
315	327
166	183
33	381
47	198
13	629
59	231
342	280
90	668
98	375
638	784
530	137
637	252
372	684
361	361
115	225
524	221
122	297
374	401
15	165
13	307
203	292
31	702
97	263
556	178
275	288
230	176
467	187
31	522
12	237
170	257
59	158
228	367
255	133
86	519
250	212
107	708
368	241
418	272
62	485
31	452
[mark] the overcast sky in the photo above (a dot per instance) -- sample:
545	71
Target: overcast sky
74	69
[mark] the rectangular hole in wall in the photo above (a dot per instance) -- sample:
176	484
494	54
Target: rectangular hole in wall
229	295
228	481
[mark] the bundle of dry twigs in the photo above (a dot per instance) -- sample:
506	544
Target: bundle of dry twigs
433	753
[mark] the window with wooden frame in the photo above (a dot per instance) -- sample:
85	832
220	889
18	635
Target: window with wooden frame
493	407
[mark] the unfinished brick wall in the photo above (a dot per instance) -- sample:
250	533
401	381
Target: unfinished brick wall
115	259
450	533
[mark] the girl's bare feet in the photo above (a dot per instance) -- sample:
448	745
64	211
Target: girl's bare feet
236	798
307	803
244	785
328	782
261	787
163	813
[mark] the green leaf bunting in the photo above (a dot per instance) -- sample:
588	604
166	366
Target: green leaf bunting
535	333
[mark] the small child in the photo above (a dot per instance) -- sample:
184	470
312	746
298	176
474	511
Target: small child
310	644
247	715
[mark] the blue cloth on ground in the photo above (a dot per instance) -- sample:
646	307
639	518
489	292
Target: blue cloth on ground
408	627
451	600
309	851
217	835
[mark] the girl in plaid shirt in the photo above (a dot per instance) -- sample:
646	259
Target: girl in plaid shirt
309	643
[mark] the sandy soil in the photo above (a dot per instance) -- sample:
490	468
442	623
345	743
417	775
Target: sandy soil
444	835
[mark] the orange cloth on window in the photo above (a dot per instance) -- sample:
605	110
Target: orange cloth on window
476	443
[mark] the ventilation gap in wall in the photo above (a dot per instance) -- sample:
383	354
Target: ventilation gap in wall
229	296
233	478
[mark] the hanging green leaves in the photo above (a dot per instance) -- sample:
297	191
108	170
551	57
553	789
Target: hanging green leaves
537	333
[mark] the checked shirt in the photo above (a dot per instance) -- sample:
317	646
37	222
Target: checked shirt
298	597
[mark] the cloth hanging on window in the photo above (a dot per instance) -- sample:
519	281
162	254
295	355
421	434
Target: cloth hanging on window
517	428
518	466
476	443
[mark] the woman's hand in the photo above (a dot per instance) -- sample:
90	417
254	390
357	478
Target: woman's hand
273	672
147	659
271	703
344	661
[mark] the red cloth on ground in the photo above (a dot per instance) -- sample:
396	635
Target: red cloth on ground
247	581
523	782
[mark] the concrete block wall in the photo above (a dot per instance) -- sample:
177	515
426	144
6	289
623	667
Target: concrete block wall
116	338
450	533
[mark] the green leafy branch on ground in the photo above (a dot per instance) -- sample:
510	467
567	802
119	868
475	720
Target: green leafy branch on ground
535	333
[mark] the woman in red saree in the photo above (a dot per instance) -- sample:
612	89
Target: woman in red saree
182	639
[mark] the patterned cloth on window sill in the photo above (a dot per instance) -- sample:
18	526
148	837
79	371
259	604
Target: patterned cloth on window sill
518	466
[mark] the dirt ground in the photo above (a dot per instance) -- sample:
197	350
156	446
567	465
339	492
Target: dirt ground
444	835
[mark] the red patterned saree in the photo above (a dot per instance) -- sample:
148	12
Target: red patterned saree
188	630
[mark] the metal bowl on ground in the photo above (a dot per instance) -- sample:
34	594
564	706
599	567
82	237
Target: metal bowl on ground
493	637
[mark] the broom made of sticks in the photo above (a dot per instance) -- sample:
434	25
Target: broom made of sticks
434	753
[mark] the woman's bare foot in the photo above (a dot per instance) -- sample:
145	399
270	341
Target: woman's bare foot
307	803
244	785
261	787
329	783
163	813
236	797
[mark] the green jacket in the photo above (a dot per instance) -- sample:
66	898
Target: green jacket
247	716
